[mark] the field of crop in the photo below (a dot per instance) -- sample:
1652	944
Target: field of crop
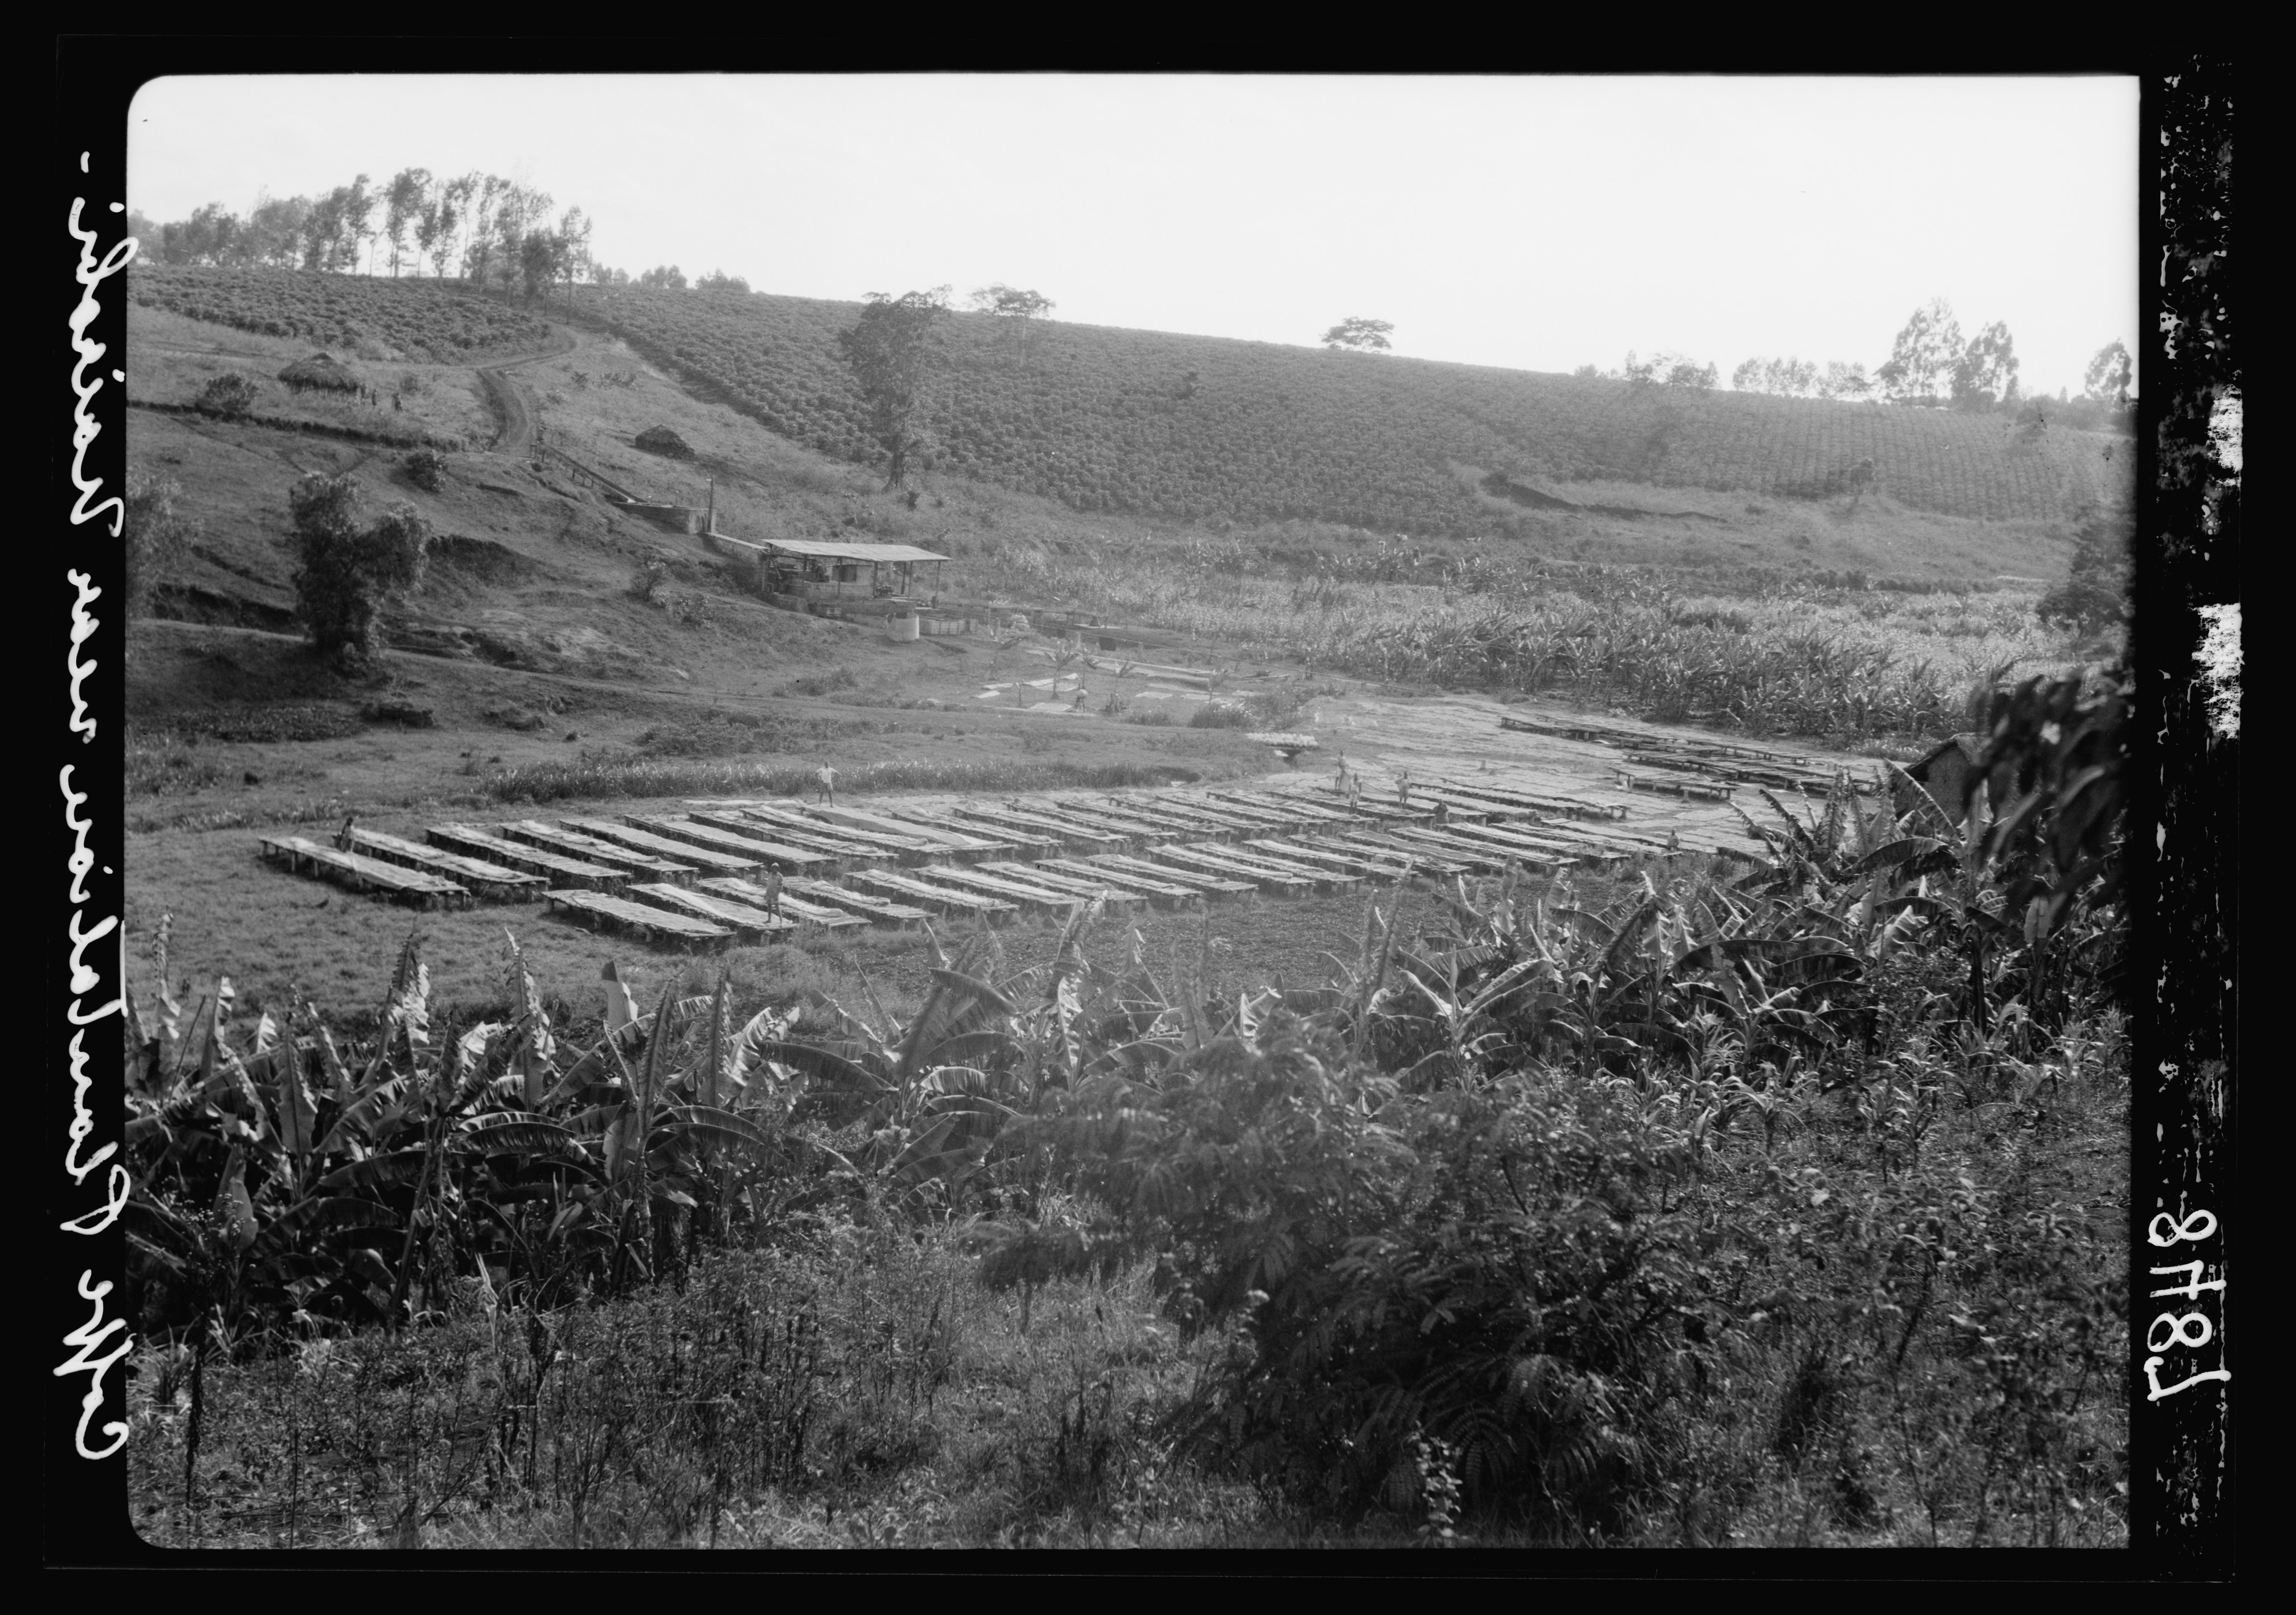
1193	428
1786	658
1775	1208
416	320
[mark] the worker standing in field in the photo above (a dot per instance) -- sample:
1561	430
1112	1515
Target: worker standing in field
774	891
827	776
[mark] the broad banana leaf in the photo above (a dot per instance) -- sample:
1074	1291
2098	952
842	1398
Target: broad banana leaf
522	1132
820	1064
377	1171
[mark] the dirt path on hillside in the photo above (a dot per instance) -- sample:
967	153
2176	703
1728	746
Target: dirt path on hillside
512	404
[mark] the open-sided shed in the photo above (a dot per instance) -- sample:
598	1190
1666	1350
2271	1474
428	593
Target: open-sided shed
827	568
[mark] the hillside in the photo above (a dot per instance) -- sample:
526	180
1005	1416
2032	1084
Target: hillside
1192	427
536	565
1196	428
421	320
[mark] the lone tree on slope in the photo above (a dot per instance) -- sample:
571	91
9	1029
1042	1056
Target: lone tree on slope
1357	336
890	349
347	572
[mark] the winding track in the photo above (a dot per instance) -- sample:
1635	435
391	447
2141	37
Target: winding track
509	399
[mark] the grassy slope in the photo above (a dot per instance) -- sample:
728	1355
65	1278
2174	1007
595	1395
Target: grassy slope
177	356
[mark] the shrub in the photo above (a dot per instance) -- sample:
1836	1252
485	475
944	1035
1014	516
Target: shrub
646	580
230	394
1222	715
426	468
1482	1267
155	533
821	683
346	573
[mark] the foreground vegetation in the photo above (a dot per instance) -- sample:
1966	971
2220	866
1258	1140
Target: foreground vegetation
1778	1207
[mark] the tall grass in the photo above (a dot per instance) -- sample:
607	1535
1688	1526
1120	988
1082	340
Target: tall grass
854	1388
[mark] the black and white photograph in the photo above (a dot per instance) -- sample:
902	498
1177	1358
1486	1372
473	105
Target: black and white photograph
1167	811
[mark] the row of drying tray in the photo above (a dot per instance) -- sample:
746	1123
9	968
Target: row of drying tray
1697	767
706	876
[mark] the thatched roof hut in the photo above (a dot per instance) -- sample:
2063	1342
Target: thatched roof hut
661	440
322	371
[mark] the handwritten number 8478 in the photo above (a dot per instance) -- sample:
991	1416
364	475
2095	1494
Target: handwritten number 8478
2189	1330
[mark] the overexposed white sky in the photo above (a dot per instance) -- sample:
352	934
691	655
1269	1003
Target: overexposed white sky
1539	224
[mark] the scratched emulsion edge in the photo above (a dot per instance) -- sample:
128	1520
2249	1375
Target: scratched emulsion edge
84	1502
2182	834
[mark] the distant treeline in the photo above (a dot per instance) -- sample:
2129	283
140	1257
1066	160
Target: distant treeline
1930	365
490	231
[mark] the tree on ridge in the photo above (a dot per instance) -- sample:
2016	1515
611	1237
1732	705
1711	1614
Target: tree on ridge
1355	335
1016	310
889	350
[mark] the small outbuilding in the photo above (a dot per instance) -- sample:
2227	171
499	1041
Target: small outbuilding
322	371
832	570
